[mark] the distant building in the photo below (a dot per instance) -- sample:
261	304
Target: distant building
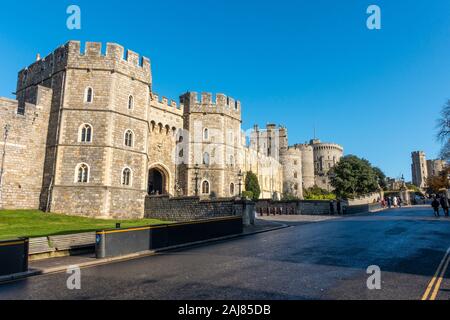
419	169
435	167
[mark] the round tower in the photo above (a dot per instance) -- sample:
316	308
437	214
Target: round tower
307	165
291	161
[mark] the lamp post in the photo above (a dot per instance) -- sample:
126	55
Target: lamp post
196	174
240	176
7	128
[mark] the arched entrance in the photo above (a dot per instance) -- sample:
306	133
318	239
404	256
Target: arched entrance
157	182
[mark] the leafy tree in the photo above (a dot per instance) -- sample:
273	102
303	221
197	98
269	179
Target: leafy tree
247	194
316	193
353	176
412	187
437	183
443	135
252	185
381	177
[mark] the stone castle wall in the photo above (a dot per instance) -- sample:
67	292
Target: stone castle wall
190	208
24	152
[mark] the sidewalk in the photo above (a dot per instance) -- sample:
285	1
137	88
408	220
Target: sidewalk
61	264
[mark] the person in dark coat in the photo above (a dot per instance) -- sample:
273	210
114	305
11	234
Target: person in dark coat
435	204
444	205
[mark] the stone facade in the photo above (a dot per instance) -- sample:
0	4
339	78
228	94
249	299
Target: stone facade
88	136
304	165
434	167
419	169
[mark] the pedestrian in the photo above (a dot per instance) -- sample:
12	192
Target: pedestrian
338	205
332	207
444	204
389	202
395	201
400	201
435	205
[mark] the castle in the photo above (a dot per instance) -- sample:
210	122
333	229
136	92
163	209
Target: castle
422	169
88	136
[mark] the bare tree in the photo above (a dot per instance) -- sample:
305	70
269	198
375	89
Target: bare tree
443	135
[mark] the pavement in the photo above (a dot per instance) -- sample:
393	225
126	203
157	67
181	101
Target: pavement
325	260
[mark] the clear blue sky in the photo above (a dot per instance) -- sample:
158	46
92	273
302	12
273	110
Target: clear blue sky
301	63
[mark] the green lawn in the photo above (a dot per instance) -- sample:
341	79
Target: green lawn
33	223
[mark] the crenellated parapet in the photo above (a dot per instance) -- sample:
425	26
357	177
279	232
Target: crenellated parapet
165	104
206	103
70	56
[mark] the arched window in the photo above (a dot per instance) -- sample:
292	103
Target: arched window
82	173
126	177
85	133
130	102
205	134
206	158
205	187
232	189
128	138
89	95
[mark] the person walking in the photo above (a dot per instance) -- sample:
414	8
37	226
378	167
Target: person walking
400	202
444	204
435	204
395	201
389	202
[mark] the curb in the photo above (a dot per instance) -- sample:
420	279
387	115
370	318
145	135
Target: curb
142	254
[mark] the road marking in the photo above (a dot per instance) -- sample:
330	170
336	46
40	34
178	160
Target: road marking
439	272
439	282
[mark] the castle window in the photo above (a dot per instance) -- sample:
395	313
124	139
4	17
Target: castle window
130	102
206	159
85	133
89	95
126	177
232	189
231	161
296	187
205	134
295	162
82	173
295	175
205	187
128	138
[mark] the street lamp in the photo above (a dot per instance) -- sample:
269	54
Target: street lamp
240	176
196	174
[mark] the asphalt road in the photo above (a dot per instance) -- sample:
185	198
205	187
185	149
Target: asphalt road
322	260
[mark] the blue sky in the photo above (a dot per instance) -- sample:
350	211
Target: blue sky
303	64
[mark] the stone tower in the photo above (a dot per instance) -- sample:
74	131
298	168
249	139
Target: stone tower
96	129
307	165
291	160
326	156
419	169
213	143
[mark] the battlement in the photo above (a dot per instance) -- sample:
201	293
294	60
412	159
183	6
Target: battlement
70	55
165	104
206	102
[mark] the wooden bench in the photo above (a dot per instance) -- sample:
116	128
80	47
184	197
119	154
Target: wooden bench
72	241
39	245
